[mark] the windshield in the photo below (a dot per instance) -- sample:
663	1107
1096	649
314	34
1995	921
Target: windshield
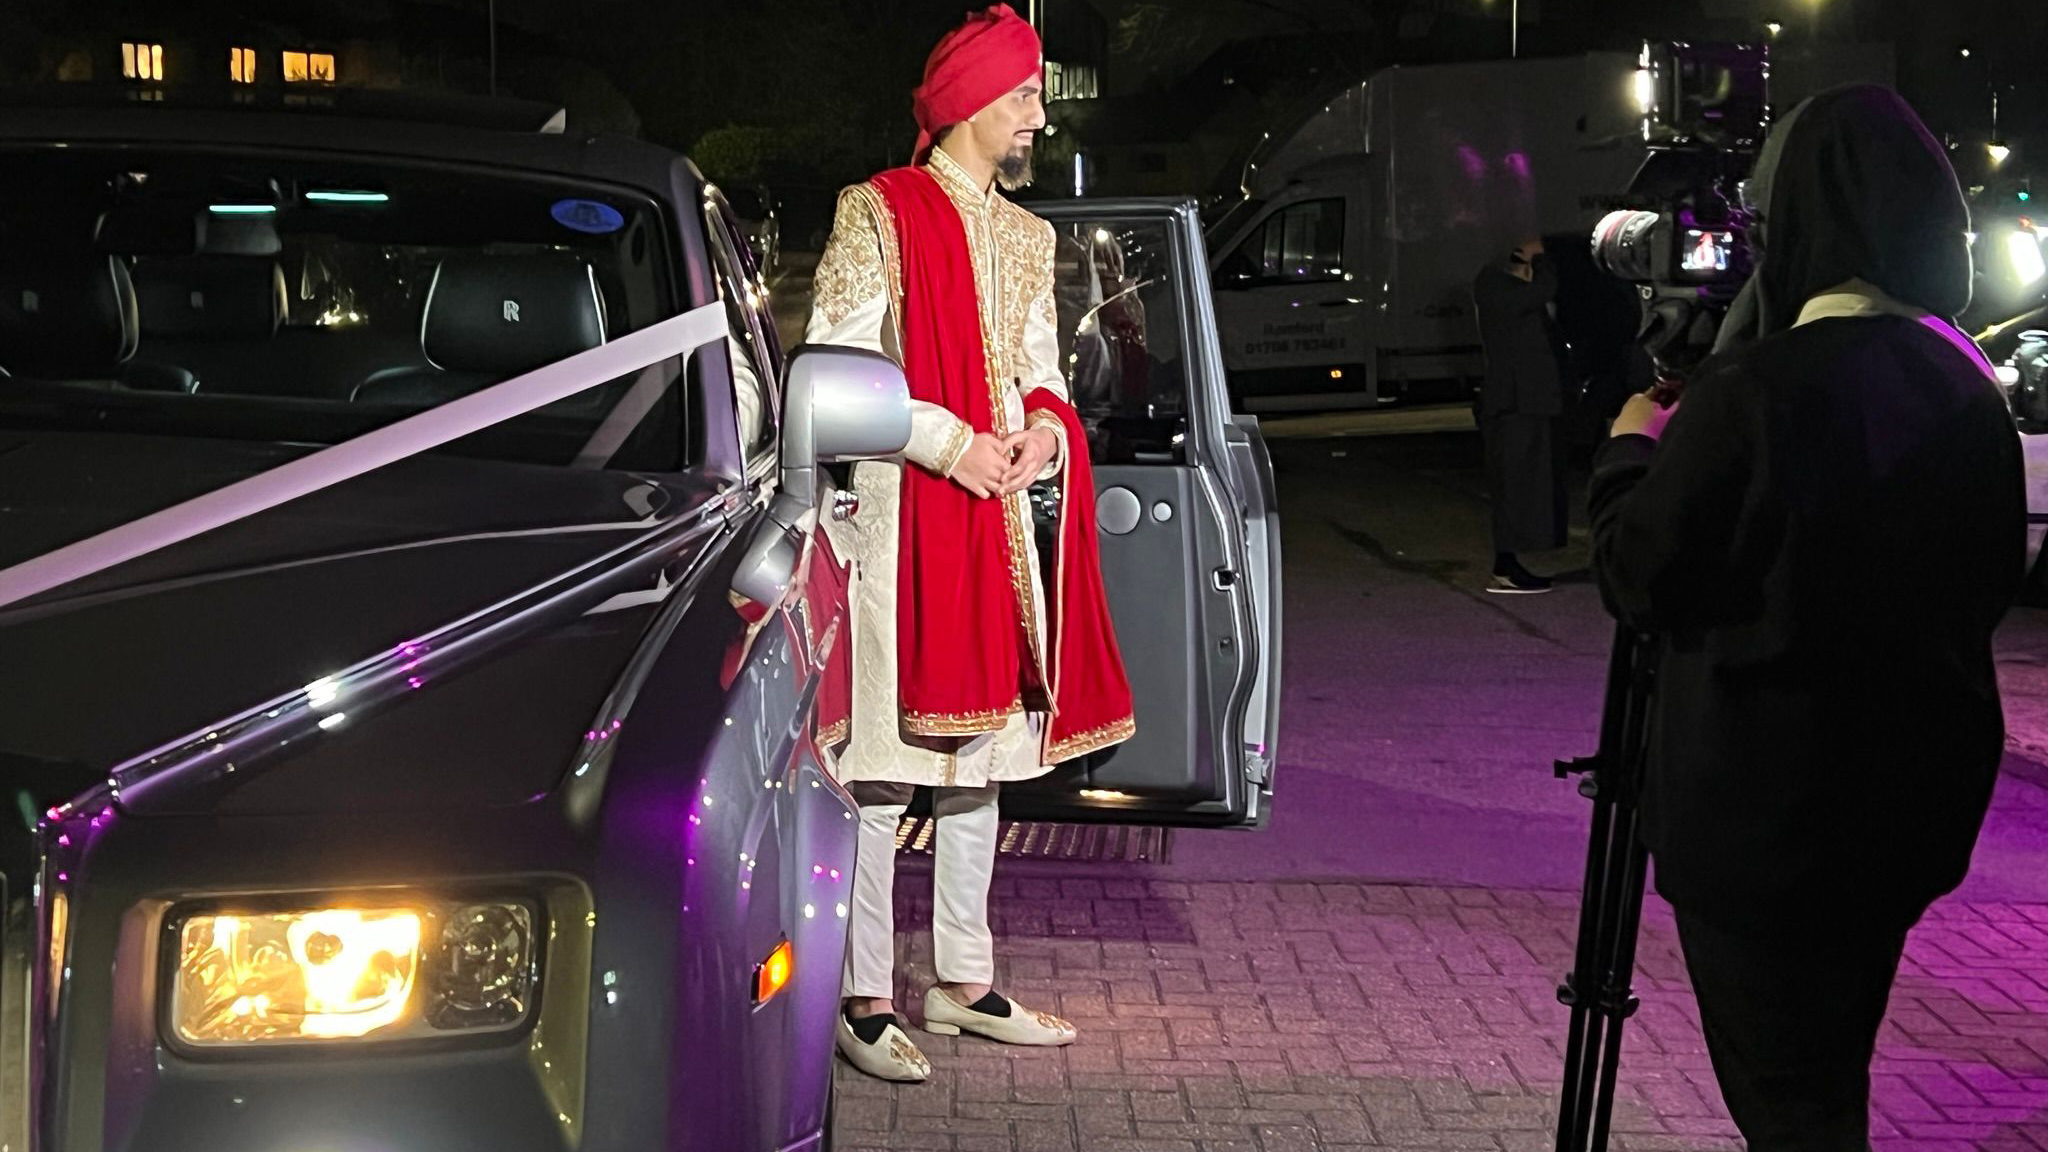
308	300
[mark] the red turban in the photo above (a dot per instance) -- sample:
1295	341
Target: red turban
975	65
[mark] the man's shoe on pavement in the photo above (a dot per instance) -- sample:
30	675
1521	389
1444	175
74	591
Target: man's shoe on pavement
889	1056
1511	579
1001	1020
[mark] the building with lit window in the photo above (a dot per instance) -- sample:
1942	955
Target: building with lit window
297	51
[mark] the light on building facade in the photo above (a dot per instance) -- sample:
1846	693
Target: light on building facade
142	61
309	68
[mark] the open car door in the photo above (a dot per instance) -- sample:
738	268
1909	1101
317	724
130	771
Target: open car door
1189	530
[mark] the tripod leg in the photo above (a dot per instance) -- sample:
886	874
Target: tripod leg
1610	910
1621	977
1582	1042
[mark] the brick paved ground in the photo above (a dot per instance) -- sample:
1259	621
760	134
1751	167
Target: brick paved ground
1266	1013
1285	1017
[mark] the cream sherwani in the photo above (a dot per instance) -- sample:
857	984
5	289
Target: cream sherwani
856	283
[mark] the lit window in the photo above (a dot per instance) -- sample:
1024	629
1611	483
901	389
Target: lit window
309	68
142	61
1070	81
242	65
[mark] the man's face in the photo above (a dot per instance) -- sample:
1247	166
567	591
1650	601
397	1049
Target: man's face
1003	132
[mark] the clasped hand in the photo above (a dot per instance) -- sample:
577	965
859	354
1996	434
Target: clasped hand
1004	465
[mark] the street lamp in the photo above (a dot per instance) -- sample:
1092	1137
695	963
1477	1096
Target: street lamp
1999	152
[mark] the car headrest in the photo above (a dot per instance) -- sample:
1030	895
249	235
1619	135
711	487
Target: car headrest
210	297
511	314
66	315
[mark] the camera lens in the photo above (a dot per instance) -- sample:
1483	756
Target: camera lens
1624	245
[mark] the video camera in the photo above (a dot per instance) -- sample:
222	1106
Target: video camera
1683	235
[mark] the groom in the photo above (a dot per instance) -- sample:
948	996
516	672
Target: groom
970	669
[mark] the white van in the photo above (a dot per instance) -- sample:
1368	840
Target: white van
1344	276
1346	272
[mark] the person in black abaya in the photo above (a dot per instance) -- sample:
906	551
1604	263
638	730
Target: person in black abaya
1519	405
1825	536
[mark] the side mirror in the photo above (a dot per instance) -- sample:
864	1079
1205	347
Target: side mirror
839	404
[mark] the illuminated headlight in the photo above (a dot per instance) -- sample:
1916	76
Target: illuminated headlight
323	974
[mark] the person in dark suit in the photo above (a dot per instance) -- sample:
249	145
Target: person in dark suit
1824	532
1519	403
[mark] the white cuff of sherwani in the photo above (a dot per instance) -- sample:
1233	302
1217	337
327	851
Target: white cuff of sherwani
1058	428
937	438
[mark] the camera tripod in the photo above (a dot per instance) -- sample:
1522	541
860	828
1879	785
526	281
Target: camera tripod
1611	904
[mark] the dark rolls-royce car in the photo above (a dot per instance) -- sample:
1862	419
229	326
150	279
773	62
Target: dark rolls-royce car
420	658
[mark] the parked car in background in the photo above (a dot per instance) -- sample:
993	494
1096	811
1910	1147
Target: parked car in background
757	212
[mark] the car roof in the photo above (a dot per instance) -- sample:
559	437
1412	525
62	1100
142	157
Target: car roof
493	133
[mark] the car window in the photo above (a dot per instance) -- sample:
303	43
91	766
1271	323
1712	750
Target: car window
754	348
746	203
177	291
1119	305
1300	244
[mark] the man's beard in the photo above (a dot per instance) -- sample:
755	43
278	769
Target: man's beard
1013	171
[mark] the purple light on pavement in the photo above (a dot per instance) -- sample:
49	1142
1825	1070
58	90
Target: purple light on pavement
1518	165
64	840
65	877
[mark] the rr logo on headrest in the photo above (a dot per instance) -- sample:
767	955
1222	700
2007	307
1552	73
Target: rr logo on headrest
511	311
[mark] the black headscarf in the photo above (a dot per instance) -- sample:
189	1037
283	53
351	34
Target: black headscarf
1852	186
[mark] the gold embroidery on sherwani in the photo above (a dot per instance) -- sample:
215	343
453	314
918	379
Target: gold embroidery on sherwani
878	220
1094	740
960	723
850	271
956	447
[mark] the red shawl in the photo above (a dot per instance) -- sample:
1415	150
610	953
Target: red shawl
966	653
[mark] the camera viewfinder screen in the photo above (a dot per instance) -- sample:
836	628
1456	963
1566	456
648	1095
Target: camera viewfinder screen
1705	252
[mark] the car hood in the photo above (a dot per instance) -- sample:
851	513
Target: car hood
161	647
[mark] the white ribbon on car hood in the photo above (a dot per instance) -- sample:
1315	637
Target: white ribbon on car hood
678	335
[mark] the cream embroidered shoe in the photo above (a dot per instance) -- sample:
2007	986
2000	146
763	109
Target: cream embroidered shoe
892	1057
945	1016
